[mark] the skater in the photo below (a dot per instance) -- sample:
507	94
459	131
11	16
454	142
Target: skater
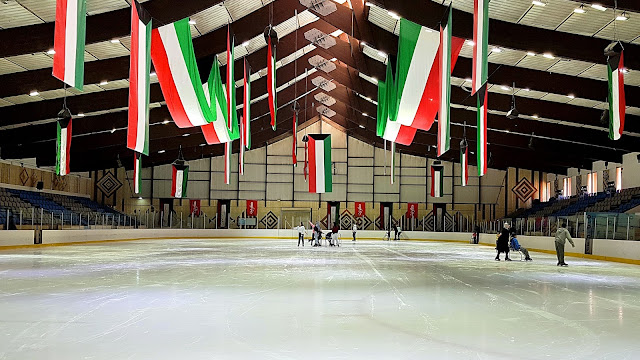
396	232
301	229
562	235
354	228
515	245
502	244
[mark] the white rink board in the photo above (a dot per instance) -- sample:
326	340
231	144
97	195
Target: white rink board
16	237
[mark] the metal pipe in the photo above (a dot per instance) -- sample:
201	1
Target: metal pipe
628	221
613	236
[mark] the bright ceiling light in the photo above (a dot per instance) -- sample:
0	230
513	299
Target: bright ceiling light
165	122
161	151
192	22
113	130
375	79
104	82
470	42
34	93
51	52
393	15
497	49
364	114
186	134
80	115
333	59
139	197
538	3
361	126
153	73
580	9
203	144
337	33
340	1
571	96
246	43
467	79
531	53
534	116
382	53
624	70
505	88
598	7
526	89
115	41
548	56
623	16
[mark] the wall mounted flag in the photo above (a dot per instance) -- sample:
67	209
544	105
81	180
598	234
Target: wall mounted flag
617	103
194	206
63	142
252	208
437	180
360	209
271	37
179	178
481	139
69	41
464	162
320	175
139	70
137	172
480	44
412	211
246	104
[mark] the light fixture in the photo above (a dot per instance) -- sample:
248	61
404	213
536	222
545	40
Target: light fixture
246	43
104	82
623	16
51	52
598	7
363	43
364	114
361	126
467	79
531	53
531	141
161	151
113	130
504	87
526	89
624	70
333	59
165	122
368	3
192	22
153	73
534	116
186	134
538	3
497	49
580	9
382	53
80	115
393	15
470	42
571	96
337	33
34	93
548	55
139	197
375	79
513	113
115	41
203	144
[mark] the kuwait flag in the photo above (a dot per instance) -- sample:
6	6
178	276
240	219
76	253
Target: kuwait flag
444	79
241	153
320	178
70	32
381	119
393	130
271	37
227	162
63	143
175	64
294	150
137	172
246	107
617	106
464	162
480	44
217	132
140	64
437	181
481	113
392	167
231	84
179	179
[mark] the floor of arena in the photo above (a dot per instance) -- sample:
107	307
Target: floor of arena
269	299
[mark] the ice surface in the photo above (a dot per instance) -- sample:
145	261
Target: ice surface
268	299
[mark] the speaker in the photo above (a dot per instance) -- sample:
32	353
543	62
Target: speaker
40	185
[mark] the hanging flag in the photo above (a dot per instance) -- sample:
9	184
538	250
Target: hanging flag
481	114
437	180
63	143
617	105
294	150
444	77
412	211
320	177
241	153
227	162
140	65
392	130
215	92
392	167
305	140
179	178
480	69
271	37
137	172
246	107
231	83
69	41
381	118
464	162
360	209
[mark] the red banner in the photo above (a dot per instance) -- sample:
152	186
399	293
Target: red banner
252	208
360	210
412	210
194	206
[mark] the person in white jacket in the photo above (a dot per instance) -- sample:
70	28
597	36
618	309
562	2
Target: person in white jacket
301	230
354	229
562	235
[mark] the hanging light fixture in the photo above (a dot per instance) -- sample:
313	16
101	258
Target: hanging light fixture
513	112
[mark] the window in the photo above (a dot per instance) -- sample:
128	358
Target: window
618	179
594	183
589	187
566	191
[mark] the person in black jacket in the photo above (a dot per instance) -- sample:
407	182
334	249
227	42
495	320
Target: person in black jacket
502	245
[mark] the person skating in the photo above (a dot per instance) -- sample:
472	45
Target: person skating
562	235
516	246
396	232
502	245
301	229
354	228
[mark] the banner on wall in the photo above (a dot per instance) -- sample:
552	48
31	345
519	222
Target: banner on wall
194	207
252	208
412	210
360	209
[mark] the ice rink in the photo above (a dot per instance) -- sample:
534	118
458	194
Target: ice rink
268	299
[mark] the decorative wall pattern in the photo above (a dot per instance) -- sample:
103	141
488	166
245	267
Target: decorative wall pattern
524	189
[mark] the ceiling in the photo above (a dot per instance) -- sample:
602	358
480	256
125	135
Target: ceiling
553	54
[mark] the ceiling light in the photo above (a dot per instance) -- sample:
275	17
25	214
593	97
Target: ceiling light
393	15
548	56
104	82
624	70
115	41
153	73
361	126
538	3
203	144
505	88
192	22
571	96
334	59
165	122
364	114
598	7
161	151
534	116
623	16
246	43
526	89
139	197
375	79
51	52
337	33
186	134
470	42
467	79
382	53
34	93
368	4
113	130
80	115
340	1
531	53
363	43
580	9
497	49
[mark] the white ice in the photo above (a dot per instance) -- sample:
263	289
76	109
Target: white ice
268	299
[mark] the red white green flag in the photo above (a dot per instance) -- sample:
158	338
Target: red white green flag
137	172
294	150
481	114
227	162
231	83
180	176
617	104
246	107
392	167
447	58
271	37
215	92
69	41
464	162
480	44
320	177
140	65
63	143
